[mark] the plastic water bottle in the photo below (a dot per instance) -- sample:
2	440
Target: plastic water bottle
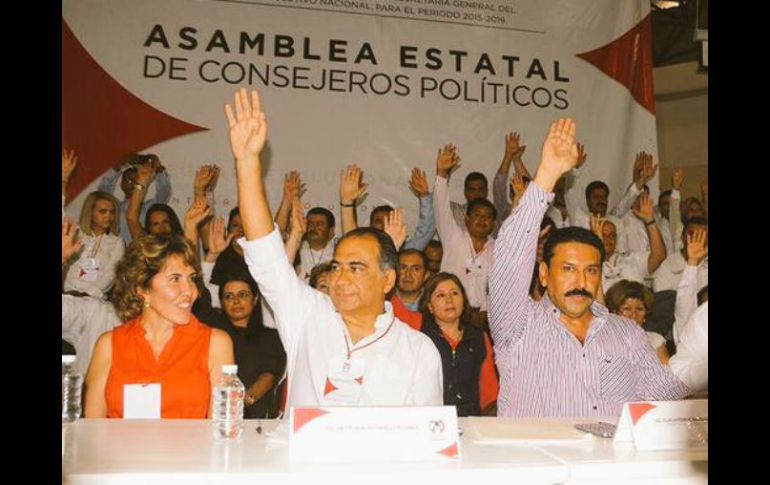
71	384
227	397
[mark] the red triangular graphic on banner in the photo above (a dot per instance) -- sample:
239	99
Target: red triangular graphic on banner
628	60
101	120
360	380
638	410
329	387
302	416
450	451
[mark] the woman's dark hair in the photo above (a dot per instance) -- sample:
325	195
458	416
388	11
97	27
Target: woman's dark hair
430	287
176	226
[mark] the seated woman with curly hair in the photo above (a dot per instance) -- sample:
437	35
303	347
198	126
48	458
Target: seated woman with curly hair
161	342
633	300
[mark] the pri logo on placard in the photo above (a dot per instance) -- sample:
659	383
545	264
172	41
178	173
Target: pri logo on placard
437	427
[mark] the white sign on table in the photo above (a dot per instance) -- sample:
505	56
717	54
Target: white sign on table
664	425
373	434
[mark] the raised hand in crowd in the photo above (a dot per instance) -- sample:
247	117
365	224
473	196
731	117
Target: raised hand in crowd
644	169
218	242
248	135
70	242
205	180
559	154
597	223
513	147
643	209
395	227
68	163
352	188
519	186
145	174
297	229
697	247
293	188
418	183
198	211
447	160
154	162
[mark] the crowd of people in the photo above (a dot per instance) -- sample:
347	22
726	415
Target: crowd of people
540	302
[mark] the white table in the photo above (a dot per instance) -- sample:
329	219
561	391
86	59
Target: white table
106	452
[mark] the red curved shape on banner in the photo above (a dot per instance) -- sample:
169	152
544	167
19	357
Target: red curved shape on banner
101	120
450	451
302	416
628	60
639	410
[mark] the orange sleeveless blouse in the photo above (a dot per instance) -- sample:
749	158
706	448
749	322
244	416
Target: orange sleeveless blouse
182	369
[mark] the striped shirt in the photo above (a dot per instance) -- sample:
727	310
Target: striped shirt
544	369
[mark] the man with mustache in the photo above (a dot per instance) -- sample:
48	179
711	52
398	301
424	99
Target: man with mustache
564	355
412	275
318	246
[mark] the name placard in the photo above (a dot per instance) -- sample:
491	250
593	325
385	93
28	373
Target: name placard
664	425
373	434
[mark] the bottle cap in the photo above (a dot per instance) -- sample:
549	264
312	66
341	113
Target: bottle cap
229	369
67	359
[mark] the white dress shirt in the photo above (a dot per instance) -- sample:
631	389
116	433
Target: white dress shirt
106	250
310	258
83	320
686	300
460	258
669	273
690	363
624	266
402	366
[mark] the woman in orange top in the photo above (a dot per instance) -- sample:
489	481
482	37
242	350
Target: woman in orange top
161	341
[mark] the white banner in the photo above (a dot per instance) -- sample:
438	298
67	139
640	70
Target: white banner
380	83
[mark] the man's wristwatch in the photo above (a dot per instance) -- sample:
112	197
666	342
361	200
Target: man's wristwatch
248	400
139	186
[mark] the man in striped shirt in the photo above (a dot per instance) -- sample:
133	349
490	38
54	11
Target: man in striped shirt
565	355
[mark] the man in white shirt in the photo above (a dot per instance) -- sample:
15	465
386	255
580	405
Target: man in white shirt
318	246
597	192
468	246
629	265
345	348
635	232
681	211
474	187
688	290
690	363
